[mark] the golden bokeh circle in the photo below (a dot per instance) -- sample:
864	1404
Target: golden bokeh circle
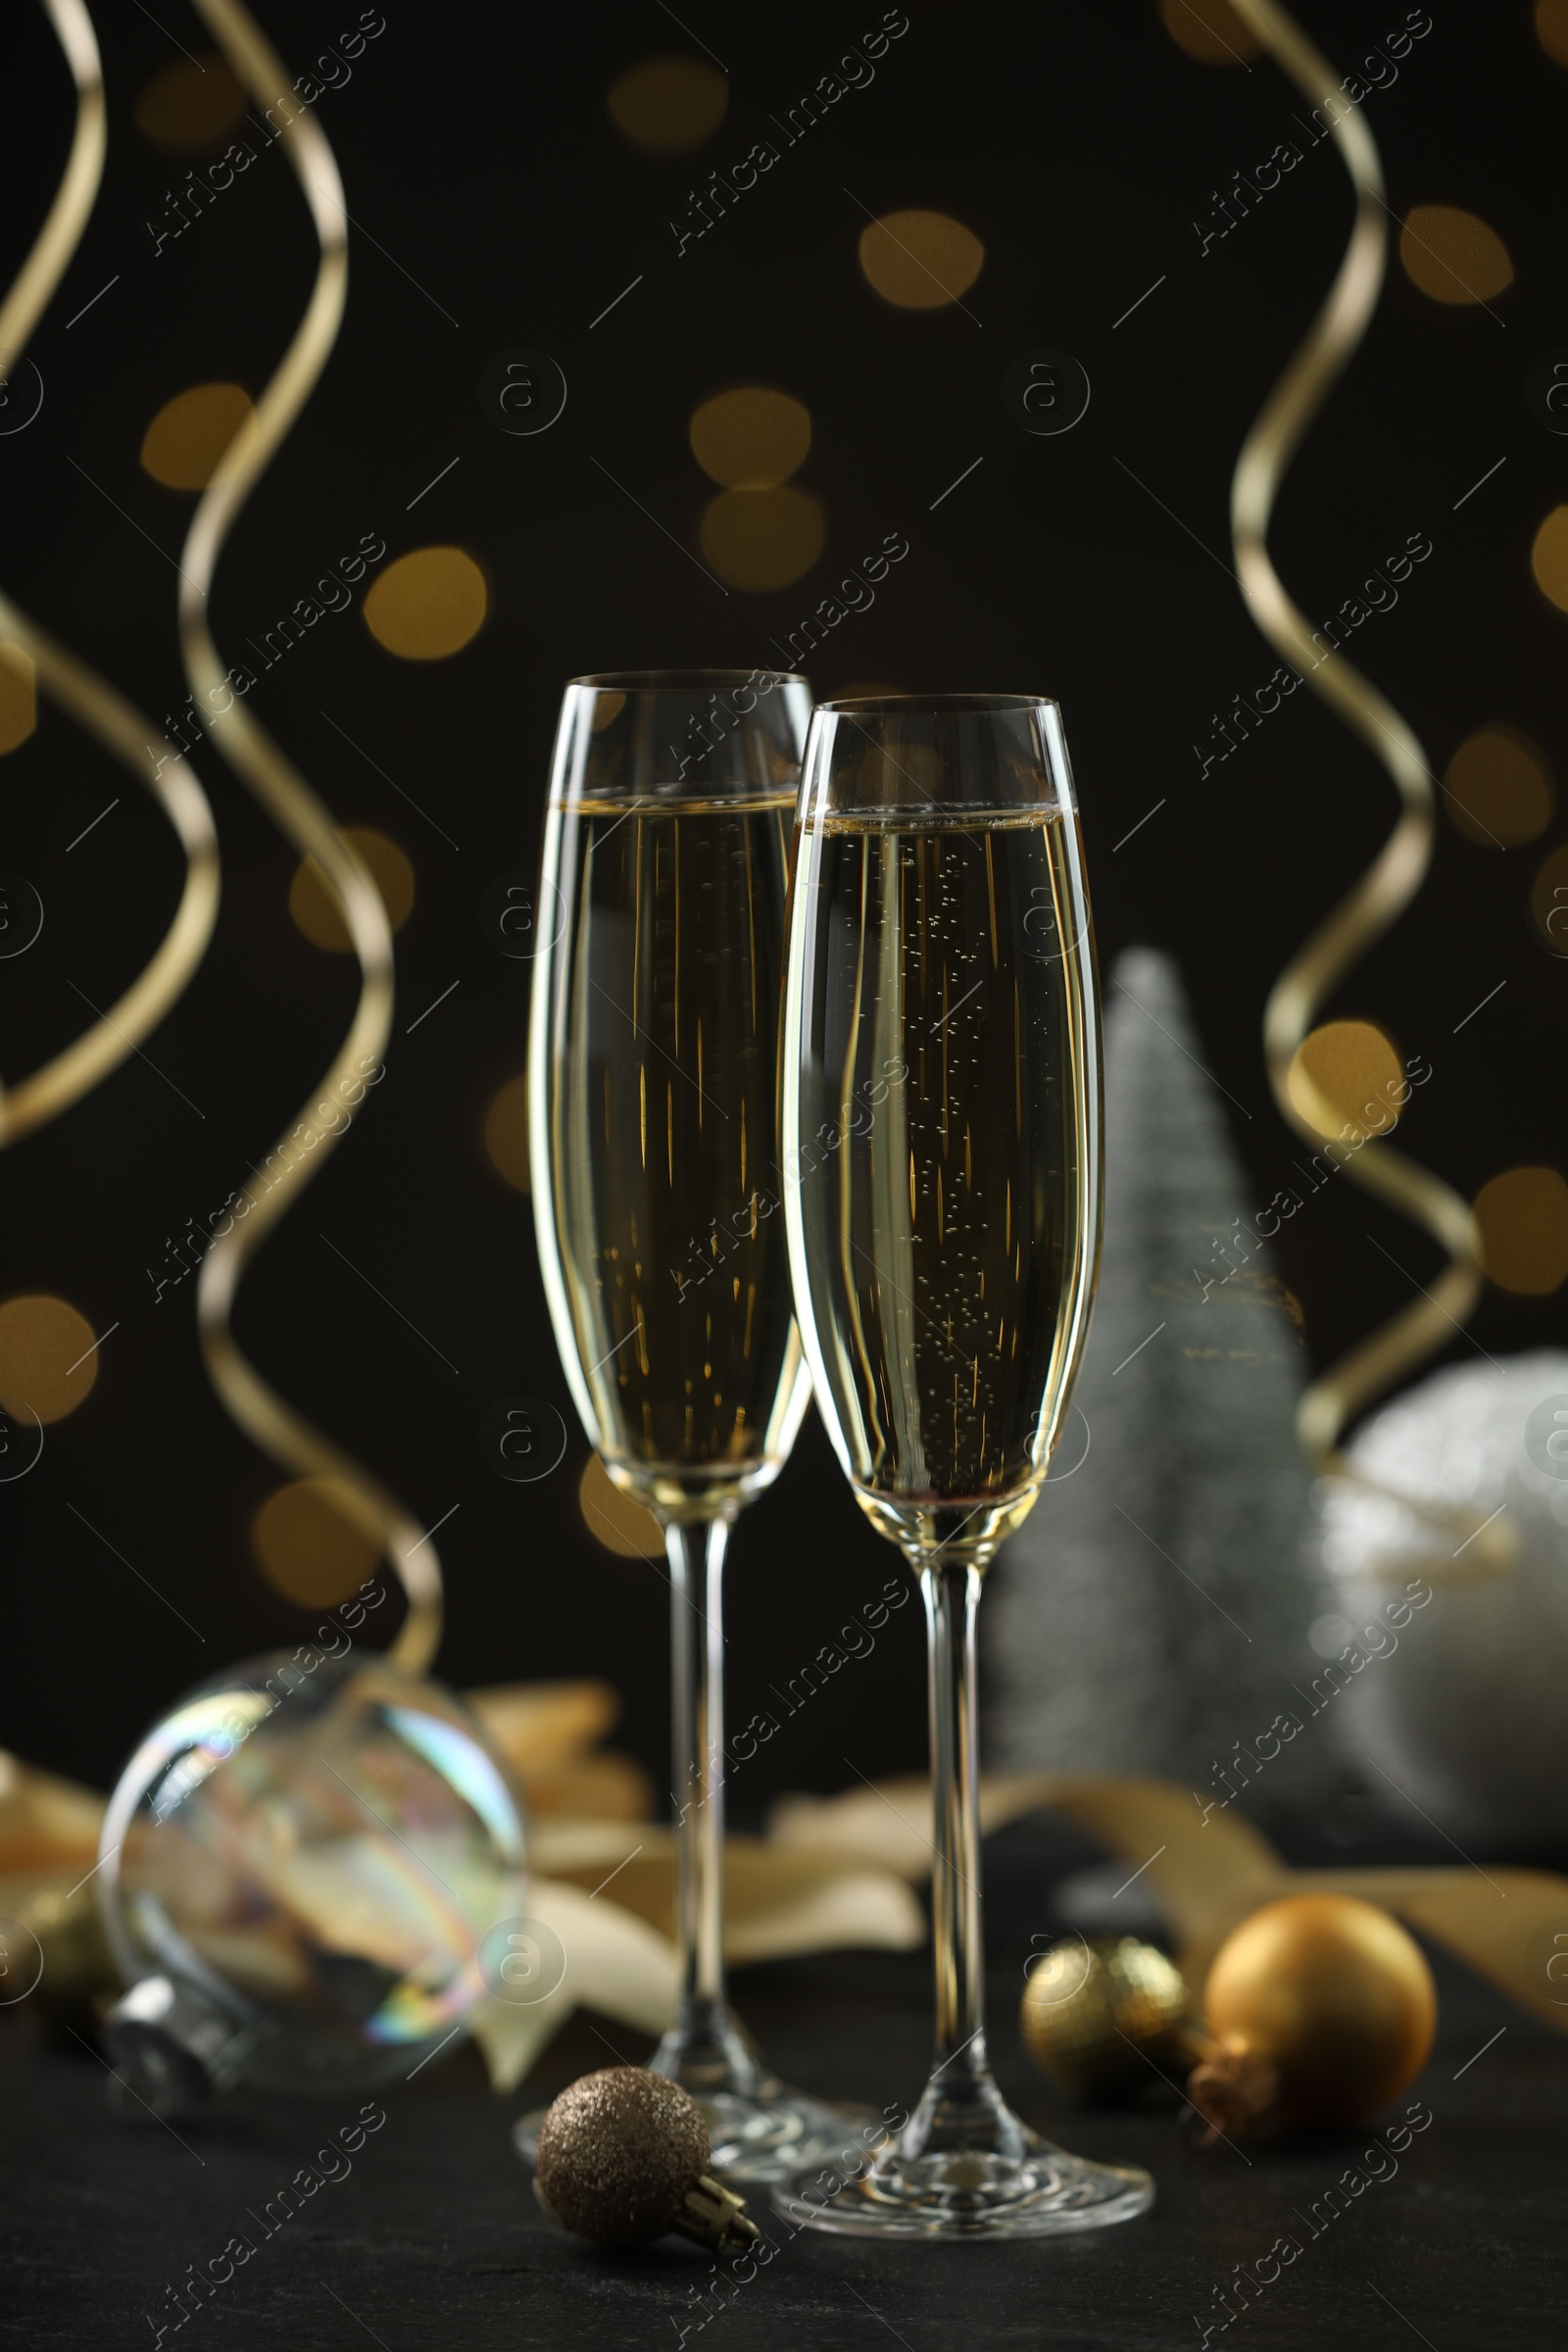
316	1541
314	904
1551	28
668	105
1522	1221
920	261
752	438
45	1368
1209	31
619	1523
188	106
1345	1073
1548	557
1500	788
428	603
19	695
185	440
506	1132
760	539
1452	255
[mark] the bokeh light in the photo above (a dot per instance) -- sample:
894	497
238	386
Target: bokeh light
1209	31
920	261
18	696
620	1524
427	604
1340	1070
187	107
668	105
1548	557
506	1132
185	440
760	539
752	438
316	1541
312	903
1500	790
1522	1217
1452	255
1551	28
47	1359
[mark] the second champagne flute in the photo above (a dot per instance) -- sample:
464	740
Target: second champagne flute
652	1061
944	1258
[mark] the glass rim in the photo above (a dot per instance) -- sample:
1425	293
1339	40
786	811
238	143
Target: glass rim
652	681
978	704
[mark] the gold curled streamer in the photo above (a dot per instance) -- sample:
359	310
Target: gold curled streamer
1395	875
290	801
95	705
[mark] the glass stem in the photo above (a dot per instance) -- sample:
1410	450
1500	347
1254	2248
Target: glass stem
703	2050
962	2107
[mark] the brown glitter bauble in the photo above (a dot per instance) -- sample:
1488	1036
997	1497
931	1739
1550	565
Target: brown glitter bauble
618	2152
1096	2011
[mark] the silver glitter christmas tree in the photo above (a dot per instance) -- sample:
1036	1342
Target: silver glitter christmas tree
1151	1615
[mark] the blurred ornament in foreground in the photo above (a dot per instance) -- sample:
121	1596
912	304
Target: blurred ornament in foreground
1100	2016
1467	1720
1323	2010
297	1867
1548	557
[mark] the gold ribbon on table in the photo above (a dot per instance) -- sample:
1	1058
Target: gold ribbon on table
122	729
1375	902
1211	1873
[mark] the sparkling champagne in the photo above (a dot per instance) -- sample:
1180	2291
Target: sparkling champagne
661	1243
939	1154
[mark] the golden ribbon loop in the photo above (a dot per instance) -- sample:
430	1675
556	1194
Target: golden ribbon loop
1374	903
95	705
298	814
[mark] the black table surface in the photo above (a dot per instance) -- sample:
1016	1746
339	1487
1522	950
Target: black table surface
432	2238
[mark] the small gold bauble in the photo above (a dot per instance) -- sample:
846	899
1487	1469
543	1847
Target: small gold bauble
1096	2010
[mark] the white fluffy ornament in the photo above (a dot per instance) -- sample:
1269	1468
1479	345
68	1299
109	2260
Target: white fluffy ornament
1467	1717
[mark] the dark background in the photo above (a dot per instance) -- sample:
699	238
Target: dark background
1078	144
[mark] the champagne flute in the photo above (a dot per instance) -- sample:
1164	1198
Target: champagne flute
652	1109
944	1235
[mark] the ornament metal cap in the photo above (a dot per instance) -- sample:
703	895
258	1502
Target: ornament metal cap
715	2215
173	2045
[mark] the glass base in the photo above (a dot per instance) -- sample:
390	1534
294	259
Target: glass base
959	2193
764	2142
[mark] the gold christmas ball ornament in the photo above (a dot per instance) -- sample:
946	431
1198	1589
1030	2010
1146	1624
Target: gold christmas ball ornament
623	2156
1096	2011
1322	2010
